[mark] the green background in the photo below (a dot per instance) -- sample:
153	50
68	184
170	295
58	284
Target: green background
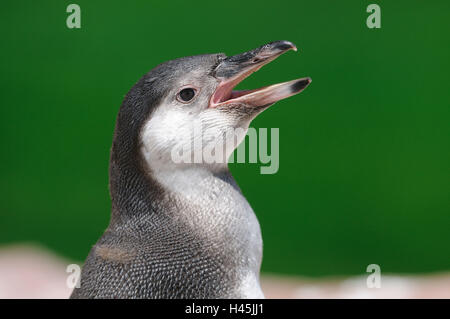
364	150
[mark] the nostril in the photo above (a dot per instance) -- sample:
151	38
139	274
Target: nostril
256	60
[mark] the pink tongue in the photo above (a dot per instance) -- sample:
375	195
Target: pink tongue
236	94
259	97
224	92
270	94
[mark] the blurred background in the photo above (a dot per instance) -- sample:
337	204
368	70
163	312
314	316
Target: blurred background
364	150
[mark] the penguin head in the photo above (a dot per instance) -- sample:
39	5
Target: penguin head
186	108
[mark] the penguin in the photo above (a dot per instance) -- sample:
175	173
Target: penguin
183	229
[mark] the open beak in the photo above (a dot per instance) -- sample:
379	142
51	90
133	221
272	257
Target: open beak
233	70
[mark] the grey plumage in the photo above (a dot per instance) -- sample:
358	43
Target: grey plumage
179	230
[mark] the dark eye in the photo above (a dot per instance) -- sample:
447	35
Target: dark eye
186	95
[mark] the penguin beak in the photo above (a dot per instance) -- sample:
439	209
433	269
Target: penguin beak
233	70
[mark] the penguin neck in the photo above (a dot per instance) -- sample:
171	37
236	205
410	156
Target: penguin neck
202	201
194	181
137	185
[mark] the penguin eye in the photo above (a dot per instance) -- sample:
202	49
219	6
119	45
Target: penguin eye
186	95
